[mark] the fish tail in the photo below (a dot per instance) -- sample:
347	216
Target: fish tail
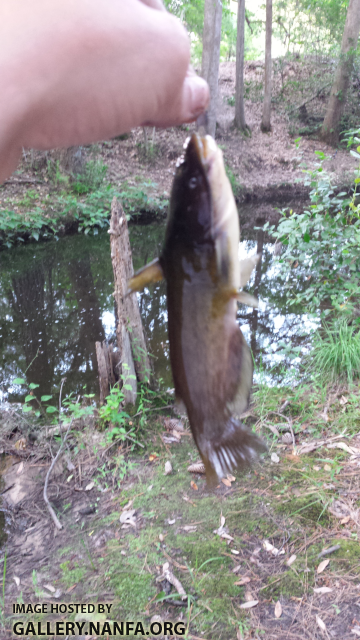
237	449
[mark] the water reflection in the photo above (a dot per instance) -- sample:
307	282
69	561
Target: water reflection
57	302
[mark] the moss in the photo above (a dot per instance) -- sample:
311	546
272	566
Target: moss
308	508
348	556
289	584
133	591
219	586
198	551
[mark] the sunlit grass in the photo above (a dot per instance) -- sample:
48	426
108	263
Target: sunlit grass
336	352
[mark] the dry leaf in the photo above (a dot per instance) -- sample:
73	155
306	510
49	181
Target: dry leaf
270	547
343	400
168	468
244	580
17	580
291	560
356	631
226	482
190	527
127	518
345	520
161	537
235	552
278	609
172	521
320	623
327	467
236	569
275	458
49	587
89	486
193	485
152	457
222	520
230	477
20	468
323	590
322	566
20	444
249	605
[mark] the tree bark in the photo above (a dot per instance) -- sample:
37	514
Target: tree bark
129	331
211	57
330	128
240	122
265	122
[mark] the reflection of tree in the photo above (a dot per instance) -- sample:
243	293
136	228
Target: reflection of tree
28	301
91	330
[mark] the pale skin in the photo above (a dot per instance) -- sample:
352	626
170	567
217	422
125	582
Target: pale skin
78	71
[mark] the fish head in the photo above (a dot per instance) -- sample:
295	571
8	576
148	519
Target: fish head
202	206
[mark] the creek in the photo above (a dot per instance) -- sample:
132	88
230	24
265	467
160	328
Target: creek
56	302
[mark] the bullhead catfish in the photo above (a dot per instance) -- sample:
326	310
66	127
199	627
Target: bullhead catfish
210	360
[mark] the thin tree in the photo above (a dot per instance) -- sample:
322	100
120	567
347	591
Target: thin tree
330	128
240	122
211	57
265	122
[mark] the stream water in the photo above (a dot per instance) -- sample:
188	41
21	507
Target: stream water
56	302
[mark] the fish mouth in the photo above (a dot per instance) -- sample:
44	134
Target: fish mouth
203	149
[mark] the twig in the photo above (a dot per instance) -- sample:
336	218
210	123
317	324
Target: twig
315	95
326	552
57	523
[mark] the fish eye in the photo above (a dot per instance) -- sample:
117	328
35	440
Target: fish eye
193	182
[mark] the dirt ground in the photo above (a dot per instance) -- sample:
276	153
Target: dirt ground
272	553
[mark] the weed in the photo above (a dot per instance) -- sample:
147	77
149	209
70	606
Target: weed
336	351
91	179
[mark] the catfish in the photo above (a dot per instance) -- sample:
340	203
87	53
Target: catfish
211	363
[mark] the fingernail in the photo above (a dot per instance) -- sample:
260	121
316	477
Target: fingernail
199	95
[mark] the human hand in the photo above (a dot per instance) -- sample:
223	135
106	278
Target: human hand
77	72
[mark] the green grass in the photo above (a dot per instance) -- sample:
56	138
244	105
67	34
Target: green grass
336	352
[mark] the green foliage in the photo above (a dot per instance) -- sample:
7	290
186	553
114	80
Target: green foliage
91	179
336	351
321	260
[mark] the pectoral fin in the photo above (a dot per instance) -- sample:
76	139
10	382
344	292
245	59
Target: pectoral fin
246	298
152	272
246	268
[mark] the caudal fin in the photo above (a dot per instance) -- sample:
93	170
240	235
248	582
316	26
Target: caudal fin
237	448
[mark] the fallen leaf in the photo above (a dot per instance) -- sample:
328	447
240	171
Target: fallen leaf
172	521
320	623
345	520
20	444
343	400
291	560
323	590
127	518
322	565
49	587
356	631
270	547
226	482
327	467
230	477
152	457
275	458
222	520
235	552
249	605
278	609
316	468
20	468
161	537
244	580
17	581
193	485
168	468
89	486
190	527
236	569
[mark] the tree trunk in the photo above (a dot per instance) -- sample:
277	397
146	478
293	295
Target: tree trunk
211	57
240	122
129	329
330	128
265	122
